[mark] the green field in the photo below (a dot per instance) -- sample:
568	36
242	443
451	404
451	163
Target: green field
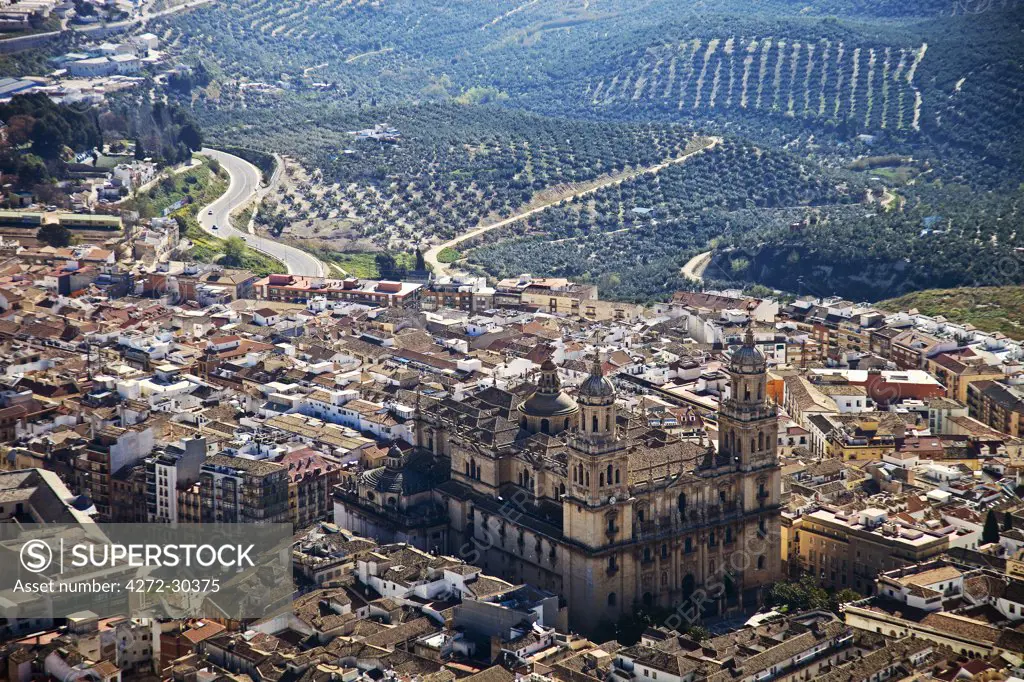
364	265
448	255
993	309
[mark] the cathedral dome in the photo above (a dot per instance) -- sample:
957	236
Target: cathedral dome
549	405
549	400
747	359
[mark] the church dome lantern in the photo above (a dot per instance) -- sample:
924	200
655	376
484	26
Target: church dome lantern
549	409
747	359
596	386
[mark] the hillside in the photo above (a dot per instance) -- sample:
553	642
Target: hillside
870	148
988	308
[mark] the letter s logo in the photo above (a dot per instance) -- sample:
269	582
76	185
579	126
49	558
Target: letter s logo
36	556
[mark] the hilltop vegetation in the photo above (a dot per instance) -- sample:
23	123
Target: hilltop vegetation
499	104
994	309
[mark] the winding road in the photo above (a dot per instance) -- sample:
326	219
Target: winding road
444	268
243	185
695	267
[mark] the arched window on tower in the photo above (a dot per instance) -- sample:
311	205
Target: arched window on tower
601	480
593	424
682	503
545	426
616	477
760	441
609	474
608	423
574	475
566	423
746	391
611	599
467	468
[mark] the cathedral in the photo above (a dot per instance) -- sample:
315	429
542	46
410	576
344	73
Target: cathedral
574	495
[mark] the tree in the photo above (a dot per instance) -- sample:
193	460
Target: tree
54	235
32	171
1007	521
698	633
800	596
991	530
234	249
386	265
421	264
841	597
140	151
191	137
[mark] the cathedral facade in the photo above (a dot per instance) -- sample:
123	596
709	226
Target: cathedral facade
572	494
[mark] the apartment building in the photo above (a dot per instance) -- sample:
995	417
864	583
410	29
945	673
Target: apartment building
997	405
843	548
241	490
175	467
111	449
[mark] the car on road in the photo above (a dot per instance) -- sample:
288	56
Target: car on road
210	212
214	227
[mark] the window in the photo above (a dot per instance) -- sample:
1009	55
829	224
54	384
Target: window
760	562
612	598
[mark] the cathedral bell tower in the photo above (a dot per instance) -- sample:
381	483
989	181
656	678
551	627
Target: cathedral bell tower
598	462
747	424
